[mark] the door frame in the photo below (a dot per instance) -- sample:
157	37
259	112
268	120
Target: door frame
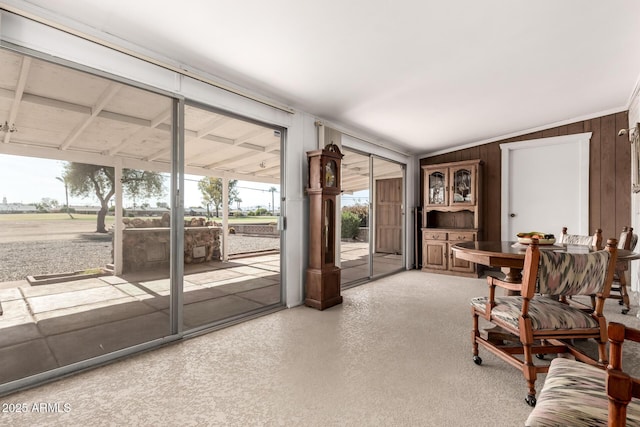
582	141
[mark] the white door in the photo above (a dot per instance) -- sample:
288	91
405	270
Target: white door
545	185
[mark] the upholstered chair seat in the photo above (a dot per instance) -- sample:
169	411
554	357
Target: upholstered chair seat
574	395
545	313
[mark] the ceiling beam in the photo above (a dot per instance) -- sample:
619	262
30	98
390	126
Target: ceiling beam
262	150
139	134
212	125
234	159
105	97
251	134
203	133
20	148
15	105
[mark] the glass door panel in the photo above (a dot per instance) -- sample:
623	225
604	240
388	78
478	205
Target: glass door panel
354	245
437	188
232	240
388	208
461	186
84	234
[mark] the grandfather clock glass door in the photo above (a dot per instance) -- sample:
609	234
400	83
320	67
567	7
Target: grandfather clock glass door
328	234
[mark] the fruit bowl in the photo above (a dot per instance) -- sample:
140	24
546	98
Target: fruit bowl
543	238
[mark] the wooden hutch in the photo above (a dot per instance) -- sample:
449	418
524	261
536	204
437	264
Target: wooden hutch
451	214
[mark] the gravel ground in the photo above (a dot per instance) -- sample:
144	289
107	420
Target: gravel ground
31	258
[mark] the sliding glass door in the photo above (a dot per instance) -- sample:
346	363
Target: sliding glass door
84	234
372	227
388	200
232	209
355	201
117	236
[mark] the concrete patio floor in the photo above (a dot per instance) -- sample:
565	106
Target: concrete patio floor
354	262
48	326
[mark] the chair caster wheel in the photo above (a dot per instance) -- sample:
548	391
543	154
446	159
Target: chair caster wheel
540	356
477	360
624	311
531	400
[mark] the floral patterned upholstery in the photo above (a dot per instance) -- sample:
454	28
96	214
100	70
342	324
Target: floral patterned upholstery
562	273
574	395
576	239
545	313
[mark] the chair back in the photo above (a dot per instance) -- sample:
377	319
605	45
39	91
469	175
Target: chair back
578	239
564	273
628	239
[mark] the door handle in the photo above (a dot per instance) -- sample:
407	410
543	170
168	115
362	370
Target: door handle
512	215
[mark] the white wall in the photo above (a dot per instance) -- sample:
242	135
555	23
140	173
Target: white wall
301	132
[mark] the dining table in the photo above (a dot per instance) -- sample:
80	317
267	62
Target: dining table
509	255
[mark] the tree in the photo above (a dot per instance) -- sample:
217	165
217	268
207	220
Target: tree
66	194
273	206
47	204
85	180
211	189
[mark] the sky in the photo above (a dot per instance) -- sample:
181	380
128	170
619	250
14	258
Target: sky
28	180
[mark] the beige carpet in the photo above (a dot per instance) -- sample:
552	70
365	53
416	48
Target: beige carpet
396	353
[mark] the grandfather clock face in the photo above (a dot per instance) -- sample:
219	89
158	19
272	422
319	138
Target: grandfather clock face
330	174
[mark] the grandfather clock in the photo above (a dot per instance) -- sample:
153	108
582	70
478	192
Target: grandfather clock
323	276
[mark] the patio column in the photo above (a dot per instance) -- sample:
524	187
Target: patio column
225	219
117	231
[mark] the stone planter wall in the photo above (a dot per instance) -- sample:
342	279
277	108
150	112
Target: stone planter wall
146	246
255	229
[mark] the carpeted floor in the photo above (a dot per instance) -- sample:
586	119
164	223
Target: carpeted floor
397	352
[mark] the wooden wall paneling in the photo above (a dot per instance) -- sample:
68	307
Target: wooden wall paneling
575	128
472	153
494	202
608	177
623	174
595	213
609	174
563	130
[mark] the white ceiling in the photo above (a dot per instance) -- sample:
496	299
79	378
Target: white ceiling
424	75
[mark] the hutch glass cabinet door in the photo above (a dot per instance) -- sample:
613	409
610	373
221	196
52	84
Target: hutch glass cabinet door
462	186
436	181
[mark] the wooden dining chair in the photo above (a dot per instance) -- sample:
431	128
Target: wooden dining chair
580	395
594	241
541	319
627	241
579	239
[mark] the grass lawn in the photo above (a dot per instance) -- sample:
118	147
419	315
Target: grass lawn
90	217
46	217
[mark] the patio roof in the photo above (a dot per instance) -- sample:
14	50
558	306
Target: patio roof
66	114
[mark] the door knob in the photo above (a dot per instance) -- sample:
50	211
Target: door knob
512	215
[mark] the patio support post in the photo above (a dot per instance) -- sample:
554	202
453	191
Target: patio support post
117	231
225	219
